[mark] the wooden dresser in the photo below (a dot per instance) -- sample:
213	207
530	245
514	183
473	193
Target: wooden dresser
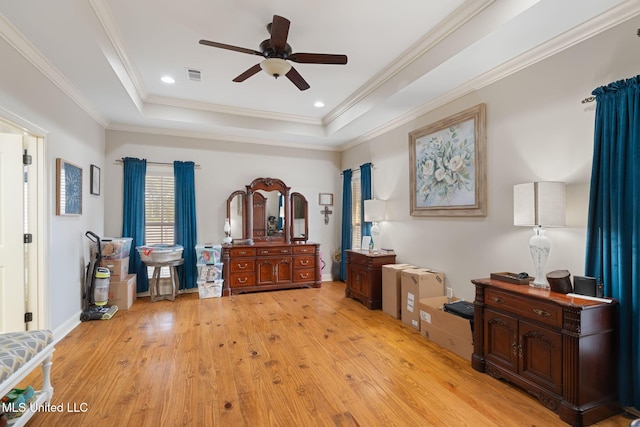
561	350
364	275
269	266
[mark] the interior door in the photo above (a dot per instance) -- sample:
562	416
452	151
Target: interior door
12	251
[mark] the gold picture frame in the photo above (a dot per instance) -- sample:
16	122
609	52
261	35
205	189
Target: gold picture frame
68	188
447	167
325	199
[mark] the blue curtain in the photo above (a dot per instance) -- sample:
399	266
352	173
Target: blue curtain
186	233
613	232
346	222
135	171
365	191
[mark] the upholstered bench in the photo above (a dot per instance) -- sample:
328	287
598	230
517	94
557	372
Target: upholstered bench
20	354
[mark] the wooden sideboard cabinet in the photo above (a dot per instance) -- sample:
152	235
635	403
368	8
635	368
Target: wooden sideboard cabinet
364	275
269	266
561	350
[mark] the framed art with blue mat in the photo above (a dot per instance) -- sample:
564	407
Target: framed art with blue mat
68	188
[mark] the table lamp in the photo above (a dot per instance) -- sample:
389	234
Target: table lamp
538	205
374	211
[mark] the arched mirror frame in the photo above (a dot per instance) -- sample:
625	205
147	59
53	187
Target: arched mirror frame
243	215
267	184
305	235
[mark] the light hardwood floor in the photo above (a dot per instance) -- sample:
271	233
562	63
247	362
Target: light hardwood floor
303	357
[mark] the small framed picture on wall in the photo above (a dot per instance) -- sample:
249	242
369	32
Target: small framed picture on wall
95	180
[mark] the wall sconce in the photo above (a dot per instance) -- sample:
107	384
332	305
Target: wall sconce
538	205
374	212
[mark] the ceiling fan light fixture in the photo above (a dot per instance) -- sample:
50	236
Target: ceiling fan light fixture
275	67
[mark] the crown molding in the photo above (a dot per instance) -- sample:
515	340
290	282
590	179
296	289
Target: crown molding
24	47
222	137
585	31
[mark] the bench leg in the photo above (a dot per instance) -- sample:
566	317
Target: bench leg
46	378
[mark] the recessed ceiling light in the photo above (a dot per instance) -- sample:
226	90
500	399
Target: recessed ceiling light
318	104
168	79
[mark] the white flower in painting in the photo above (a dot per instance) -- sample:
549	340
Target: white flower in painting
456	163
440	173
427	168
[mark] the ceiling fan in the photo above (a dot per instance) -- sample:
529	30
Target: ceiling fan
277	52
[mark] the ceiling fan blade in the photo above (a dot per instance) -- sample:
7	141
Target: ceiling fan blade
317	58
229	47
297	79
250	72
279	33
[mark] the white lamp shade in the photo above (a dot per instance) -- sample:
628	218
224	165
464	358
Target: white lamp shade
275	66
374	210
539	204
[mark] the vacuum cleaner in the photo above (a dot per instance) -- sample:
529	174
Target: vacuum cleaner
95	295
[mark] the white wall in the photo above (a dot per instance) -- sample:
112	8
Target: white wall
72	135
537	130
224	168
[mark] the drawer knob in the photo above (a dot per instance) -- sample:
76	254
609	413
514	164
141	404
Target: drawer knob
242	280
304	262
542	313
284	251
304	275
498	300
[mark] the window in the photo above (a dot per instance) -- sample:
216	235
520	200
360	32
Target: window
356	206
159	211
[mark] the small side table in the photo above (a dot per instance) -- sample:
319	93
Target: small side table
154	283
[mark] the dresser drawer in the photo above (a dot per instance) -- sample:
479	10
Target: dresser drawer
276	250
304	262
304	249
238	252
304	275
357	259
541	311
237	280
242	265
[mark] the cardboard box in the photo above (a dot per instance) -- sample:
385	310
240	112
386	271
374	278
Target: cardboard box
119	268
448	330
123	293
418	283
391	289
210	289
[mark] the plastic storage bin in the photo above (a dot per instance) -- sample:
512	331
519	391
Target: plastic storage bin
208	254
160	253
113	247
210	289
209	272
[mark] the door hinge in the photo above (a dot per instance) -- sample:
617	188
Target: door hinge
28	238
28	317
26	158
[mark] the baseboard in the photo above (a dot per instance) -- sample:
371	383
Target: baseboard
68	326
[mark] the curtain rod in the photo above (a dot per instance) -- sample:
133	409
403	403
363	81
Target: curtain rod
158	163
356	170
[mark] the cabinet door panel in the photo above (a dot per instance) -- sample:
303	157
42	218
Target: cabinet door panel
359	281
541	360
266	270
501	339
284	272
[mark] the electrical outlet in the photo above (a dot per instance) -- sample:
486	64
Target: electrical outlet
449	292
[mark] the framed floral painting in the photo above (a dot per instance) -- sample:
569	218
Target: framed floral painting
448	166
68	188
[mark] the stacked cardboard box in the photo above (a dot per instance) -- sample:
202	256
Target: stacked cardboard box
448	330
391	288
119	268
418	283
123	292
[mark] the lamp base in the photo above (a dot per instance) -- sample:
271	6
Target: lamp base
539	246
375	233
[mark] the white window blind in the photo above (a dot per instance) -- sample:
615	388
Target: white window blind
159	209
356	198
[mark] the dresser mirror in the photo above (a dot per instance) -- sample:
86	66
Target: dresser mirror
299	222
235	213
